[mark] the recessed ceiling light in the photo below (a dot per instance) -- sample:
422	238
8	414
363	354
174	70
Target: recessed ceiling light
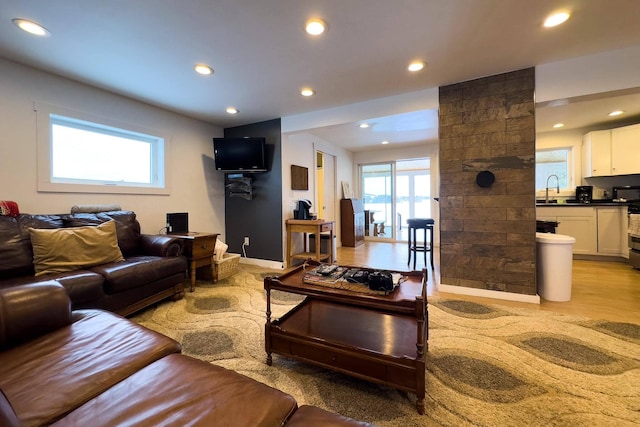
556	19
416	66
616	113
232	110
364	125
307	91
315	26
203	69
31	27
385	142
558	125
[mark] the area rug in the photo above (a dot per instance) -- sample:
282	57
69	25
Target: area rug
487	365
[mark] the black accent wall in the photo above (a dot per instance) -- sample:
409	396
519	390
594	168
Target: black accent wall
260	218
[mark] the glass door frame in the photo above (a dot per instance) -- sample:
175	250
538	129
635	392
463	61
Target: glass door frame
391	229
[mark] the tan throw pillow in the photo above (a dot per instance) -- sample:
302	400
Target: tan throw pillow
68	249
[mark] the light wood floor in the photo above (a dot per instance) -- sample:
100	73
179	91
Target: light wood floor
600	290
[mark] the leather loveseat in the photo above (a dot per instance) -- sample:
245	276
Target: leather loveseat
91	367
153	268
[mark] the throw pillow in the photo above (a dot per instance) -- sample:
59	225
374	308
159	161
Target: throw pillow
68	249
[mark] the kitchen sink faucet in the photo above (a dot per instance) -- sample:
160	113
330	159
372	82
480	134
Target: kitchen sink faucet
546	192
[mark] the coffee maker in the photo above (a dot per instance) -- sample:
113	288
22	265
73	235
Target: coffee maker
584	193
303	210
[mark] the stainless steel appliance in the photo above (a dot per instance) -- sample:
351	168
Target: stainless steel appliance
627	193
584	193
631	194
634	236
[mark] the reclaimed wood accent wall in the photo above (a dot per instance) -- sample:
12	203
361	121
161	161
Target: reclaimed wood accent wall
487	233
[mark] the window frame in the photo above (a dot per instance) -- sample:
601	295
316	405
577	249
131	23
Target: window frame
571	178
47	115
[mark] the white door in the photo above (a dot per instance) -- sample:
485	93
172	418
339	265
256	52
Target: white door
326	186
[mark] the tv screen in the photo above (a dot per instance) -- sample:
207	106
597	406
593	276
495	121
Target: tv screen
240	154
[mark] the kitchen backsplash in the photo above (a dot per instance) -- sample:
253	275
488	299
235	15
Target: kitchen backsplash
602	184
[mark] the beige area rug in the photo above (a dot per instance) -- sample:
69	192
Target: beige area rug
487	365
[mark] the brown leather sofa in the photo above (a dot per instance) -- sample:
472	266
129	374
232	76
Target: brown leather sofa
90	367
153	268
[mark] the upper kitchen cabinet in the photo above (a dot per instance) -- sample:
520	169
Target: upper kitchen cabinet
611	152
596	153
625	150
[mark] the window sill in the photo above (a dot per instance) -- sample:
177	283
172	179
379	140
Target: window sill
48	187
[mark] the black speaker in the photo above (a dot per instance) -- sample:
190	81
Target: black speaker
178	223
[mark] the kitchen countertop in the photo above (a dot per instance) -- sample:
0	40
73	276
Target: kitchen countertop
594	203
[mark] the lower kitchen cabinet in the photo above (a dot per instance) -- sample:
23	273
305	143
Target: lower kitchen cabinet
611	240
583	228
597	230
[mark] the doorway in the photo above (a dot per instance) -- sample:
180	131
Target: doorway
392	193
325	186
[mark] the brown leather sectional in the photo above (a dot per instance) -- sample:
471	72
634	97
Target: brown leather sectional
153	269
91	367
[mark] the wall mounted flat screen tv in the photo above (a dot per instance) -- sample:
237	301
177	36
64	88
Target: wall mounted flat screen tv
240	154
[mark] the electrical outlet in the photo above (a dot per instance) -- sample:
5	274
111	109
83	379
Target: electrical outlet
246	240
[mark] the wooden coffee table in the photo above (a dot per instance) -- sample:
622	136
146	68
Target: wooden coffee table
378	338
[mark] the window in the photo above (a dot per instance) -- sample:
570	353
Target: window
77	155
557	161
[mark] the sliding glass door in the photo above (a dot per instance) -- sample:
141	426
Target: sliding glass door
394	192
413	192
377	191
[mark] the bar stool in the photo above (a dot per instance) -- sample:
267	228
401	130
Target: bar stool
425	224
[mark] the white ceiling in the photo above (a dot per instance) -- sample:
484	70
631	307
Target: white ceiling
589	111
146	49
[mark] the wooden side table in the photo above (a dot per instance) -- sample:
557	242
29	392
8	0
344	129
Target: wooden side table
198	248
305	226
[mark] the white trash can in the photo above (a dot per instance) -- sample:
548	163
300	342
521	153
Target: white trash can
554	261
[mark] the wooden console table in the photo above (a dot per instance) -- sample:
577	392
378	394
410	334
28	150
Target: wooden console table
305	226
198	248
378	338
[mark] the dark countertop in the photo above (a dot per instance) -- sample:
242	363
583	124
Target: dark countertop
574	204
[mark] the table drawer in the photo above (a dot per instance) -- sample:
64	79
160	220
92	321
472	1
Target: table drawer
203	247
350	362
326	227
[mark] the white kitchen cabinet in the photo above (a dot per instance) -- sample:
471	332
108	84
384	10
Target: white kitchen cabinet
597	230
625	150
612	238
578	222
596	153
583	229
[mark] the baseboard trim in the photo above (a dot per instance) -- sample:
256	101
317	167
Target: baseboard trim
603	258
485	293
276	265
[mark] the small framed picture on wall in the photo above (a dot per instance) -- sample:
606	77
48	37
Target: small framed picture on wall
299	178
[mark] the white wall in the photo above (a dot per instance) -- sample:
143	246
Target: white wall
299	149
195	186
